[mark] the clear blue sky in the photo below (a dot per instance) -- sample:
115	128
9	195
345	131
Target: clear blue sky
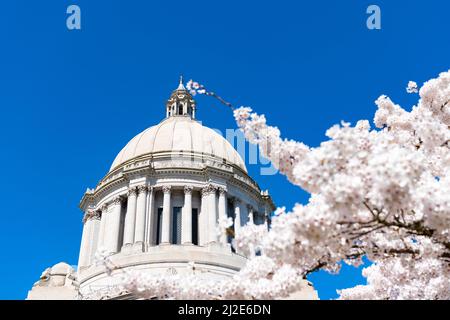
70	100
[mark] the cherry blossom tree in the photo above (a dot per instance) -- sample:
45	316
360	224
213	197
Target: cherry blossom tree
381	193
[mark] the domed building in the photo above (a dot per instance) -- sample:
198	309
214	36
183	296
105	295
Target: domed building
158	207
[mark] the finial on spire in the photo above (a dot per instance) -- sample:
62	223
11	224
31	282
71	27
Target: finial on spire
181	85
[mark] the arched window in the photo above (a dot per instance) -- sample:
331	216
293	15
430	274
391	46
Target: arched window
180	109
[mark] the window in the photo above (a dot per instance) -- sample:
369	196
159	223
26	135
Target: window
231	214
158	225
195	226
180	109
256	218
176	225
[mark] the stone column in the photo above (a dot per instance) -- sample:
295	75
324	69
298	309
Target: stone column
250	214
186	224
101	235
113	226
210	192
130	218
266	217
139	231
203	218
165	234
83	260
223	213
237	215
95	231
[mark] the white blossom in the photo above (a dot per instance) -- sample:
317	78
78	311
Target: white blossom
382	192
412	87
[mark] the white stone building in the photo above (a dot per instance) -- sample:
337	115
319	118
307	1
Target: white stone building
158	207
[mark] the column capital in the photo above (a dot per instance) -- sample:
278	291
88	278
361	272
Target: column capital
166	189
91	214
188	189
222	191
87	215
208	189
104	208
132	191
142	189
165	230
117	200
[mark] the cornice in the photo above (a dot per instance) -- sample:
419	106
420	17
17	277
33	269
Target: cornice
170	163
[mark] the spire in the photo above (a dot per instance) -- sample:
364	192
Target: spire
181	86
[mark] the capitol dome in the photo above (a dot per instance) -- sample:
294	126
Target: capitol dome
180	134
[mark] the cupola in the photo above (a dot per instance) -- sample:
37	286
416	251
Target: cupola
180	102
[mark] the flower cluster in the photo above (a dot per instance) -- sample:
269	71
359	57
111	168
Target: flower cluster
195	88
412	87
382	192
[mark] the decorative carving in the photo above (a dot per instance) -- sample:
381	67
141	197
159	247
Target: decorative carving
222	191
142	189
166	189
171	271
91	214
60	275
117	200
104	208
188	189
97	215
132	192
88	215
208	189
